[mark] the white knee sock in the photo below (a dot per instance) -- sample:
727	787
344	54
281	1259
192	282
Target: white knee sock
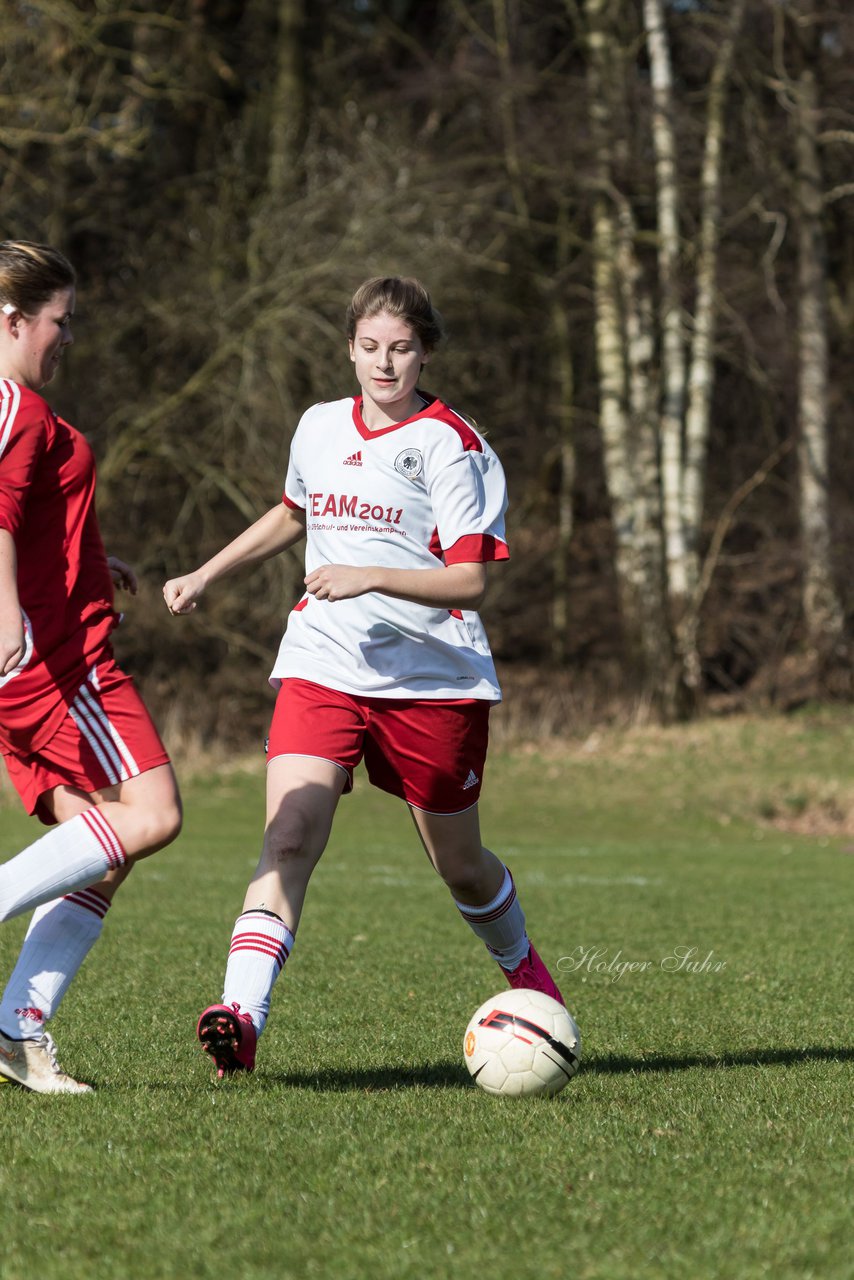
500	924
60	936
74	854
260	944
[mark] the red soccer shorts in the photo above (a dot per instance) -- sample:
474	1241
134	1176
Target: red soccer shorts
106	738
429	753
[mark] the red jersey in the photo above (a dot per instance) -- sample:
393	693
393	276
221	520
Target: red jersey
47	503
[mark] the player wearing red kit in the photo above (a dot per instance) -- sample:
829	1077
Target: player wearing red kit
76	738
47	492
384	659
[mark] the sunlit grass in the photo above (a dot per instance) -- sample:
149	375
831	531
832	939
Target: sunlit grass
703	947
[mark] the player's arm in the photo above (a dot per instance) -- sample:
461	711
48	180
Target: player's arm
12	641
276	530
454	586
22	448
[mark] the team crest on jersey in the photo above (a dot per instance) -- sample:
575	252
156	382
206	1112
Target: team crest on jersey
409	463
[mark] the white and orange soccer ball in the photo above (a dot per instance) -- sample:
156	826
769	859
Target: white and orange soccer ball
521	1043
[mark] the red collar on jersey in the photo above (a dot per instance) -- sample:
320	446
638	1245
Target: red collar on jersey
431	404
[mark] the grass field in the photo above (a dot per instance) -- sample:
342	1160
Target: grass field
705	1135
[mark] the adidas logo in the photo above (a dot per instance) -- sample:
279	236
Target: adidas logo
471	781
355	459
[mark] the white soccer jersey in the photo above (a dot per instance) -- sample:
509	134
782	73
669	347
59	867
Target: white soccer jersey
414	495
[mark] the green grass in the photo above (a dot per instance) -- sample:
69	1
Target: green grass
704	1137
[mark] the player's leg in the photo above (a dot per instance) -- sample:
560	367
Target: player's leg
61	934
122	782
106	747
302	795
442	784
480	884
315	743
485	895
453	844
102	838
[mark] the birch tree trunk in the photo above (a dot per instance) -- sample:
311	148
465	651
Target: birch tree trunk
655	425
823	613
627	393
684	427
702	354
670	308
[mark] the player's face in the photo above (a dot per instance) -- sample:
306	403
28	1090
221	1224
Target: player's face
41	339
388	356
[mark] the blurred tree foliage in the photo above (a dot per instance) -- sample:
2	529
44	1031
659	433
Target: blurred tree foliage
223	175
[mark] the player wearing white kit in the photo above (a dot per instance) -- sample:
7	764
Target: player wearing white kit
385	658
420	493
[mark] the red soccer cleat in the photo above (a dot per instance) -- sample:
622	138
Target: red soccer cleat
533	975
229	1037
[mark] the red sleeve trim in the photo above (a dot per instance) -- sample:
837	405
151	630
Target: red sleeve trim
469	439
476	548
294	506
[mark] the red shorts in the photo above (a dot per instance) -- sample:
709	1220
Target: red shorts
106	738
429	753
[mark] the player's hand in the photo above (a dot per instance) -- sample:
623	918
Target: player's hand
338	582
13	644
123	575
182	594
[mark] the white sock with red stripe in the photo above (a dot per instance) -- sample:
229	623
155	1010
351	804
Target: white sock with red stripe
500	924
71	856
260	944
60	936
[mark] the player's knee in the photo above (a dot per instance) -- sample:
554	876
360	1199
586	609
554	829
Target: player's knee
170	820
158	827
464	879
287	840
468	870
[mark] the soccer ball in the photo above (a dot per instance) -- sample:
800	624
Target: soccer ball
521	1043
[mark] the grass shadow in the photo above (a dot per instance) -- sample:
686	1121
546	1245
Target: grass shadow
429	1075
449	1075
616	1064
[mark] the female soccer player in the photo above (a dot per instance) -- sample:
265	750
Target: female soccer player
402	502
78	743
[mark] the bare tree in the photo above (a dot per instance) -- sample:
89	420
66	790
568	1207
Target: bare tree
565	175
685	490
656	362
798	90
624	344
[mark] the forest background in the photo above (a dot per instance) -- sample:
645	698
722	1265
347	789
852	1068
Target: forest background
635	218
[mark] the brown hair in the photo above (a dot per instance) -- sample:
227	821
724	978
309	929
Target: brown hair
399	296
30	274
